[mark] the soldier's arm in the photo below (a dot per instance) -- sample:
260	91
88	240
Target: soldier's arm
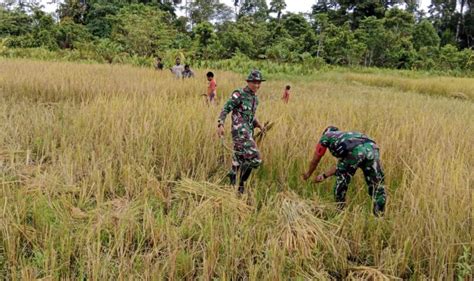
232	103
256	124
330	172
312	166
325	175
318	154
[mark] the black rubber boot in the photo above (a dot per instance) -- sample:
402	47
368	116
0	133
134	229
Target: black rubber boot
379	210
241	189
244	176
233	175
232	178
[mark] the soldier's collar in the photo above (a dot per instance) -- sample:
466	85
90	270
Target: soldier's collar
248	90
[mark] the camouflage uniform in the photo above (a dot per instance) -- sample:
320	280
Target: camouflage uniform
243	105
355	150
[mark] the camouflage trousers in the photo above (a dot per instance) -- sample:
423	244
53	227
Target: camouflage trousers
246	153
367	157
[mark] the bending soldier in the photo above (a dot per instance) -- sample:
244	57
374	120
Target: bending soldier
354	150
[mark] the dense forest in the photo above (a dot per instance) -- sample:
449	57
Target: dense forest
372	33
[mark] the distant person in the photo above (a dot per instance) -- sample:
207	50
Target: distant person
178	68
187	73
243	105
211	88
286	94
354	150
158	64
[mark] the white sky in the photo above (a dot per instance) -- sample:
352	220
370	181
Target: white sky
294	6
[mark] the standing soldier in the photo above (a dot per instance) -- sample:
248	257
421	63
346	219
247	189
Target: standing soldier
354	150
243	105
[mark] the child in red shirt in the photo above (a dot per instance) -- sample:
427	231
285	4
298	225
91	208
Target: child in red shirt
211	89
286	94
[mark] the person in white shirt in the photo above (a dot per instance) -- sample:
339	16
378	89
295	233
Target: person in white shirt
178	68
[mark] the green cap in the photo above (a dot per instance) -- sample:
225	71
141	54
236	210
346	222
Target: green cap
255	75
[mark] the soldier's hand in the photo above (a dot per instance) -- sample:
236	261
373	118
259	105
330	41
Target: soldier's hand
305	176
319	178
220	131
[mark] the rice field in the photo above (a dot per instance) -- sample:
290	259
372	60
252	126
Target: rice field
116	172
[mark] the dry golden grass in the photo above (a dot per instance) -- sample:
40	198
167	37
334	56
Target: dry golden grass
459	88
114	172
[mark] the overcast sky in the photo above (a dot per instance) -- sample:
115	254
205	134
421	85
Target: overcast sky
294	6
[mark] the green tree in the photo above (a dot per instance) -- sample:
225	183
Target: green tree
425	58
209	10
246	36
208	45
399	21
69	34
74	10
276	31
43	30
372	33
27	30
367	8
107	49
79	10
14	23
467	35
299	30
321	23
282	50
424	35
465	11
257	9
341	11
277	6
295	24
411	6
449	58
442	14
331	9
98	19
399	25
142	30
341	45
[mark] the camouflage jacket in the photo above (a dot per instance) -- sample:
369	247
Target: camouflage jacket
243	105
341	143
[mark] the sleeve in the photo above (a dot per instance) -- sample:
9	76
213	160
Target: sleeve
324	141
255	122
232	103
320	150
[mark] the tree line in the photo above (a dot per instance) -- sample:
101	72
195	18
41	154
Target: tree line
380	33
